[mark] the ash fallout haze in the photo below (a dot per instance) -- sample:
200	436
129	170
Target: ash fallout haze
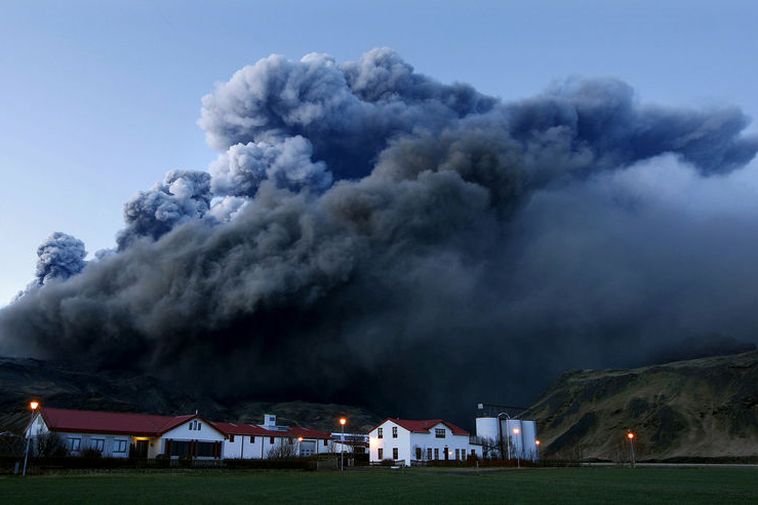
367	233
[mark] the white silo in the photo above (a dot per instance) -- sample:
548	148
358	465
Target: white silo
529	440
512	433
488	433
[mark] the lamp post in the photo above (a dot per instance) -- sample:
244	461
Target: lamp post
537	443
299	447
630	437
33	405
343	422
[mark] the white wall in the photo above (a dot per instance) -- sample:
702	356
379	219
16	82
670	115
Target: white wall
206	433
109	443
387	443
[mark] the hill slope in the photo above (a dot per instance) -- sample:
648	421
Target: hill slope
702	408
59	385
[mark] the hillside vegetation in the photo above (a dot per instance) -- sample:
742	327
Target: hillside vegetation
702	408
59	385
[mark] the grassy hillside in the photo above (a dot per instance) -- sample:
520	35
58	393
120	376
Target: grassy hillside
58	385
703	408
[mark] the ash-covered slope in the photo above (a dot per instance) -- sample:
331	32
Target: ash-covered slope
58	384
701	408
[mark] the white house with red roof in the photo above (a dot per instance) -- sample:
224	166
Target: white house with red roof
252	441
121	435
406	441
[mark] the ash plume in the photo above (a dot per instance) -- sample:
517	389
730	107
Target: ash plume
59	257
368	235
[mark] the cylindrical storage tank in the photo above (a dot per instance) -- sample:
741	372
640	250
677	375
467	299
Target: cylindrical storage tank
529	439
486	428
512	433
488	433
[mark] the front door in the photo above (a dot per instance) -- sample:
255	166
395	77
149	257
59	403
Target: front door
139	449
447	454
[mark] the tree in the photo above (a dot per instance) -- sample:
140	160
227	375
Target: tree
49	445
282	451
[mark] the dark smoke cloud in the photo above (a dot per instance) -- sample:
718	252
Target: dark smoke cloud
59	257
369	235
181	197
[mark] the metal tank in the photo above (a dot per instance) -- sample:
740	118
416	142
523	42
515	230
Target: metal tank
529	440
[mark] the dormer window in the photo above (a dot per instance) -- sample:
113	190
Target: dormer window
439	433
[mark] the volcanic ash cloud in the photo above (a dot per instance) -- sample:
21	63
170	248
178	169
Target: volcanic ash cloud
370	235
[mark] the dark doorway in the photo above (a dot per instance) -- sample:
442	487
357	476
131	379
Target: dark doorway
447	454
139	449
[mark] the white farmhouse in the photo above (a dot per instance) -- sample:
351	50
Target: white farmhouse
408	441
251	441
122	435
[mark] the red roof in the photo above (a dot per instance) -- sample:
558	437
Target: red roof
146	425
255	430
423	425
297	431
123	423
242	429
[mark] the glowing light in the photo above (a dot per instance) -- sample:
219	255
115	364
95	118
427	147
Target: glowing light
630	435
33	405
516	431
537	442
299	439
343	421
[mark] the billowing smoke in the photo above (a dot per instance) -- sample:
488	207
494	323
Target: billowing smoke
59	257
369	235
181	197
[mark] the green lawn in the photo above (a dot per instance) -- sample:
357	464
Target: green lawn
712	486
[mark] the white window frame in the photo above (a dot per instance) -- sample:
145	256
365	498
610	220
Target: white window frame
117	446
74	444
98	444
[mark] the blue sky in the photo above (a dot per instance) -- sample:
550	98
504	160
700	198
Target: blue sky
99	99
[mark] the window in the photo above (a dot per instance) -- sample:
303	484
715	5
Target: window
439	433
380	433
199	425
418	453
473	452
270	440
231	439
74	444
394	453
394	432
119	446
252	439
289	440
191	424
381	453
325	442
429	454
457	454
98	444
436	453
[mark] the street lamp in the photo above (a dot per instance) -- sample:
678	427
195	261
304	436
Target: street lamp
33	405
343	422
630	437
537	443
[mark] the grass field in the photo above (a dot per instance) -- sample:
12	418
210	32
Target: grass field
615	486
